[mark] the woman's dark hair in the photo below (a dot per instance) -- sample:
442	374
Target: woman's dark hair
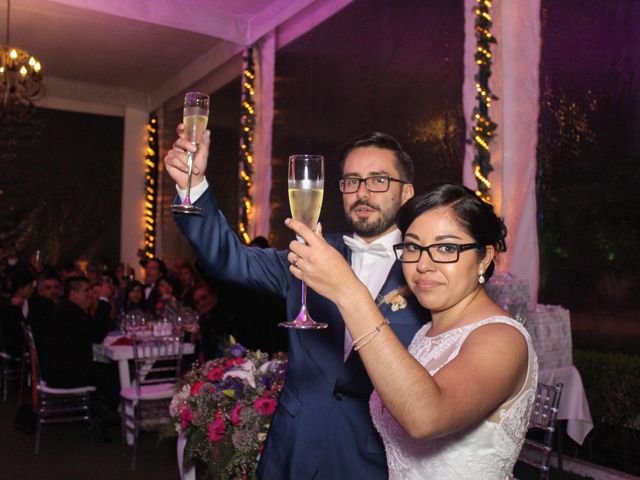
173	283
130	286
472	213
384	142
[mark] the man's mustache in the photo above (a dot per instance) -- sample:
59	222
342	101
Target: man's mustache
363	203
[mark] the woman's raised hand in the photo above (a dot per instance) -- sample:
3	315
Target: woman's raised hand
318	264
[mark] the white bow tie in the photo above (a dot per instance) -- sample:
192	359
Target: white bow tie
357	245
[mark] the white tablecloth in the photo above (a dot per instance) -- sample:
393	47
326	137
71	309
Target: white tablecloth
122	354
573	402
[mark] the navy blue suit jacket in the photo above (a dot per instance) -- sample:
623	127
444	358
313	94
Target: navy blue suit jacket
322	428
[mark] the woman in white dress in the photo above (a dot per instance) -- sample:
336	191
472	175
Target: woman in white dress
456	404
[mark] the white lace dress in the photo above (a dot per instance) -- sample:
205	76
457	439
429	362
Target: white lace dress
486	451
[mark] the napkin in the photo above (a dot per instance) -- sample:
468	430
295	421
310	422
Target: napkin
122	341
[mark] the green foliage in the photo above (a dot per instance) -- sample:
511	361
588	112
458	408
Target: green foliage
612	385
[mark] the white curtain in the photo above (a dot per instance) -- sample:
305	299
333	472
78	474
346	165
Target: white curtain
514	80
264	56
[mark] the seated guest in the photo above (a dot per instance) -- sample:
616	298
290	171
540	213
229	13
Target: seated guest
15	310
166	296
188	280
67	347
43	302
96	292
154	268
49	286
213	327
133	298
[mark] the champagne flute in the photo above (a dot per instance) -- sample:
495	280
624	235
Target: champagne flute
195	117
306	189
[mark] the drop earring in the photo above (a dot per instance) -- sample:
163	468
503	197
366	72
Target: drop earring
481	279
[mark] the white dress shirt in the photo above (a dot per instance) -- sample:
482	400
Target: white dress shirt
196	192
372	269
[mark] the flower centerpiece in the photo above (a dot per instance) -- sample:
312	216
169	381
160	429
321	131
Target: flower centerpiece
224	407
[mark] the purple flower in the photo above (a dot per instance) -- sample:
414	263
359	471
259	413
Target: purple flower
266	381
237	350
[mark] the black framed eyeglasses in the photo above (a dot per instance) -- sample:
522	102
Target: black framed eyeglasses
438	252
374	183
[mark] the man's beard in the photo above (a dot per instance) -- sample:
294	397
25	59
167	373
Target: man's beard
367	228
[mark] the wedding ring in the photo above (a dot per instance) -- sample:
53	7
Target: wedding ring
295	261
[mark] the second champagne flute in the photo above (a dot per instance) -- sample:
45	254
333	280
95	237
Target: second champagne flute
306	189
195	118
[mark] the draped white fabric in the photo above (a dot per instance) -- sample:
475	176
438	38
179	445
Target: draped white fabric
264	55
516	59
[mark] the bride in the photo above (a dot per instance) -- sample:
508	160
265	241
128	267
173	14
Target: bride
456	404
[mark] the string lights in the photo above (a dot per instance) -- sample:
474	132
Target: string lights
151	187
483	130
247	126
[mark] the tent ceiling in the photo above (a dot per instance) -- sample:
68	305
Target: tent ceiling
136	52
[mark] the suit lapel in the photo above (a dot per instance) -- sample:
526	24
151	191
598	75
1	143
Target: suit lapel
394	280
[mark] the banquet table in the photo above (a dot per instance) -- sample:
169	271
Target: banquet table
573	403
106	352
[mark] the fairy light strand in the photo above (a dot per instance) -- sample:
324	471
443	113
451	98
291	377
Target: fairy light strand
151	187
247	126
484	128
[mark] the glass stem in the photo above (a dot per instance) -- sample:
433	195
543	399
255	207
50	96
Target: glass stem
190	157
303	295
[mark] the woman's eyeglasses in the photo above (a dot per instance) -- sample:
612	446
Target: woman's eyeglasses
438	252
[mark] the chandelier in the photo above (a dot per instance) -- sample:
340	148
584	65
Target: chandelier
20	77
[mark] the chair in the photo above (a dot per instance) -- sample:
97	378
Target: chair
543	422
10	371
55	405
145	404
12	368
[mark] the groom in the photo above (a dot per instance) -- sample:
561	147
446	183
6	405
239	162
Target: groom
322	428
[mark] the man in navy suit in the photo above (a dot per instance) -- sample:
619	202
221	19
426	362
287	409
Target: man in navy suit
322	428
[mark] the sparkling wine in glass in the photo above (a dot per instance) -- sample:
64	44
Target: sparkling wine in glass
195	118
306	189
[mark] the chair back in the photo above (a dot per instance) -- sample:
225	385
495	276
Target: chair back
36	376
543	419
545	407
157	359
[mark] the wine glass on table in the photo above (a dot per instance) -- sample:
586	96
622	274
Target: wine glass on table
306	188
195	118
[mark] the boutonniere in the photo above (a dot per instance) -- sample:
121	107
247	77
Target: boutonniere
397	298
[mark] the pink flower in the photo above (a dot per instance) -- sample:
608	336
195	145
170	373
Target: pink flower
266	406
196	388
217	428
233	361
215	374
235	414
185	417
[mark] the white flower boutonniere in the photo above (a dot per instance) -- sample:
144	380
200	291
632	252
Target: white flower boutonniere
397	298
